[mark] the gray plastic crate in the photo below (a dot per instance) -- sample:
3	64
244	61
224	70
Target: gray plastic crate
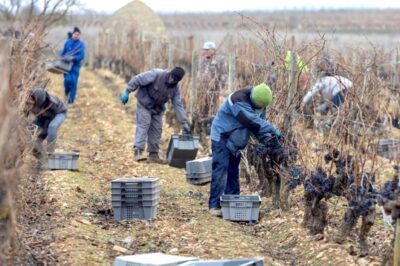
182	148
63	160
240	207
134	212
131	190
237	262
136	196
144	182
199	166
389	148
135	186
151	259
135	202
198	179
59	67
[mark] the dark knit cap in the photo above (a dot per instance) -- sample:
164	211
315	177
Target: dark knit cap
76	29
39	94
177	73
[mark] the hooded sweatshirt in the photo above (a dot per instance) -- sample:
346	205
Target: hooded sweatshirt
47	106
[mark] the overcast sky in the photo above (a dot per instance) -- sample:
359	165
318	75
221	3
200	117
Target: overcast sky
238	5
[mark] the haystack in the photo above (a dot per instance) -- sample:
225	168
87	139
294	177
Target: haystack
137	16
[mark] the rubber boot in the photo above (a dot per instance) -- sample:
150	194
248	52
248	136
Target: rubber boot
154	158
138	155
40	154
216	212
51	147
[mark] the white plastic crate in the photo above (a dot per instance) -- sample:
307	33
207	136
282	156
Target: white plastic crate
234	262
240	207
199	166
151	259
63	161
182	148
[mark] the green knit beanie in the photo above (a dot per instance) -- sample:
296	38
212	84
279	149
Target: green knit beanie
261	95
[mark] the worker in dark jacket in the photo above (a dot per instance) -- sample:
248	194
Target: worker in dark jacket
50	113
242	113
73	52
154	89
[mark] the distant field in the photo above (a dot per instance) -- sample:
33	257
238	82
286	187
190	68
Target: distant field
341	28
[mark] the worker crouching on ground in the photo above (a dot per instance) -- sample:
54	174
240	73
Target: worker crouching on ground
50	113
154	89
242	113
333	89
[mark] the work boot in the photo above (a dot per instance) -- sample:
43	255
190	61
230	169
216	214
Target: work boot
51	147
41	155
138	155
216	212
154	158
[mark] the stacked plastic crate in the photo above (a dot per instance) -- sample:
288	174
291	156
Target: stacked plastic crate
198	172
135	198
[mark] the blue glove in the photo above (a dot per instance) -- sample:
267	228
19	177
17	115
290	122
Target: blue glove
277	133
124	97
186	128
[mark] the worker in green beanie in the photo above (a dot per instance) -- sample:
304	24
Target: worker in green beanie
242	114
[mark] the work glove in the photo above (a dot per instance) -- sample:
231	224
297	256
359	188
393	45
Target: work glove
124	97
186	128
277	133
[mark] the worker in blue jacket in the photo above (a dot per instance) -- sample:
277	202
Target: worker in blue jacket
73	52
241	114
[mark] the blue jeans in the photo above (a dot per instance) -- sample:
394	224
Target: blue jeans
71	85
50	127
225	174
337	99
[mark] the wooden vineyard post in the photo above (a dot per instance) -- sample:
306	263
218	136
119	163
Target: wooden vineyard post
354	62
5	65
193	94
396	259
170	56
292	90
396	68
396	255
231	72
367	70
152	54
7	180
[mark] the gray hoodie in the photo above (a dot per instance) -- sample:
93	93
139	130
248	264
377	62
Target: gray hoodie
154	92
46	106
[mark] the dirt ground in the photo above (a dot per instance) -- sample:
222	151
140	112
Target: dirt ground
78	229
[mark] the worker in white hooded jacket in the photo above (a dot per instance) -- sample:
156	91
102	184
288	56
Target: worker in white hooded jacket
332	89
